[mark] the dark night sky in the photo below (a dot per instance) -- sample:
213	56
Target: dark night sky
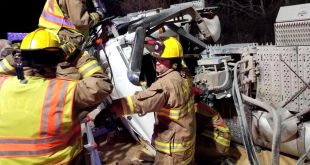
19	15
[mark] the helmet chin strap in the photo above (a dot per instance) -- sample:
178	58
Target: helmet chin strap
174	66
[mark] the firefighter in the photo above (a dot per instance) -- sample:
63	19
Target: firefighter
4	45
39	113
71	20
171	98
215	134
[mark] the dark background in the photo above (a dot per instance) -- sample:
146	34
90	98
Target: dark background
19	16
241	20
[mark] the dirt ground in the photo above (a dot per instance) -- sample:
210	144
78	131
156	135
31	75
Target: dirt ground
119	148
122	149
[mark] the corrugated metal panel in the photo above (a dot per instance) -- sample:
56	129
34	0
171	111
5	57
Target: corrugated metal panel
292	33
278	82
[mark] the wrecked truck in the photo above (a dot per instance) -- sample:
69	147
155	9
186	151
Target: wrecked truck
130	65
262	91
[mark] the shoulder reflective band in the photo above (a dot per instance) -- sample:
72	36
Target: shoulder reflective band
49	15
5	67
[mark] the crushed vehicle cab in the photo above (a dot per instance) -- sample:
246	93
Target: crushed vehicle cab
128	62
261	90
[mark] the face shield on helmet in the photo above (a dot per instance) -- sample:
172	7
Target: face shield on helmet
168	49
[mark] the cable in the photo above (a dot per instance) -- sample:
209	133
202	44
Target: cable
276	138
247	139
301	159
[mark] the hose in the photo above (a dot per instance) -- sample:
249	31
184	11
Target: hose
301	159
243	134
276	139
246	136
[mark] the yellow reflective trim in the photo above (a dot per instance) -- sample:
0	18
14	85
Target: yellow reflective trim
7	64
168	147
177	113
191	157
162	143
130	104
89	68
171	110
36	85
167	151
5	67
181	149
222	129
91	72
172	113
214	118
219	139
85	66
187	161
162	113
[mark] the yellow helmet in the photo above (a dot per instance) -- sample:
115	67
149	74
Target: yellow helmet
170	48
40	39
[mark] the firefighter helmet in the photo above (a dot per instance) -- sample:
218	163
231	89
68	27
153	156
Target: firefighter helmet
169	48
40	39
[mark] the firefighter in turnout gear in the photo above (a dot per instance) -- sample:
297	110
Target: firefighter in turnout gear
38	109
70	20
171	98
215	133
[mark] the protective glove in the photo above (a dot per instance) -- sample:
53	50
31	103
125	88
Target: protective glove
7	49
95	17
69	49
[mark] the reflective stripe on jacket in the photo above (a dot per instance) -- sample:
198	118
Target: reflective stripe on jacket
177	113
214	125
90	68
53	18
171	98
216	137
173	146
6	68
173	114
36	121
